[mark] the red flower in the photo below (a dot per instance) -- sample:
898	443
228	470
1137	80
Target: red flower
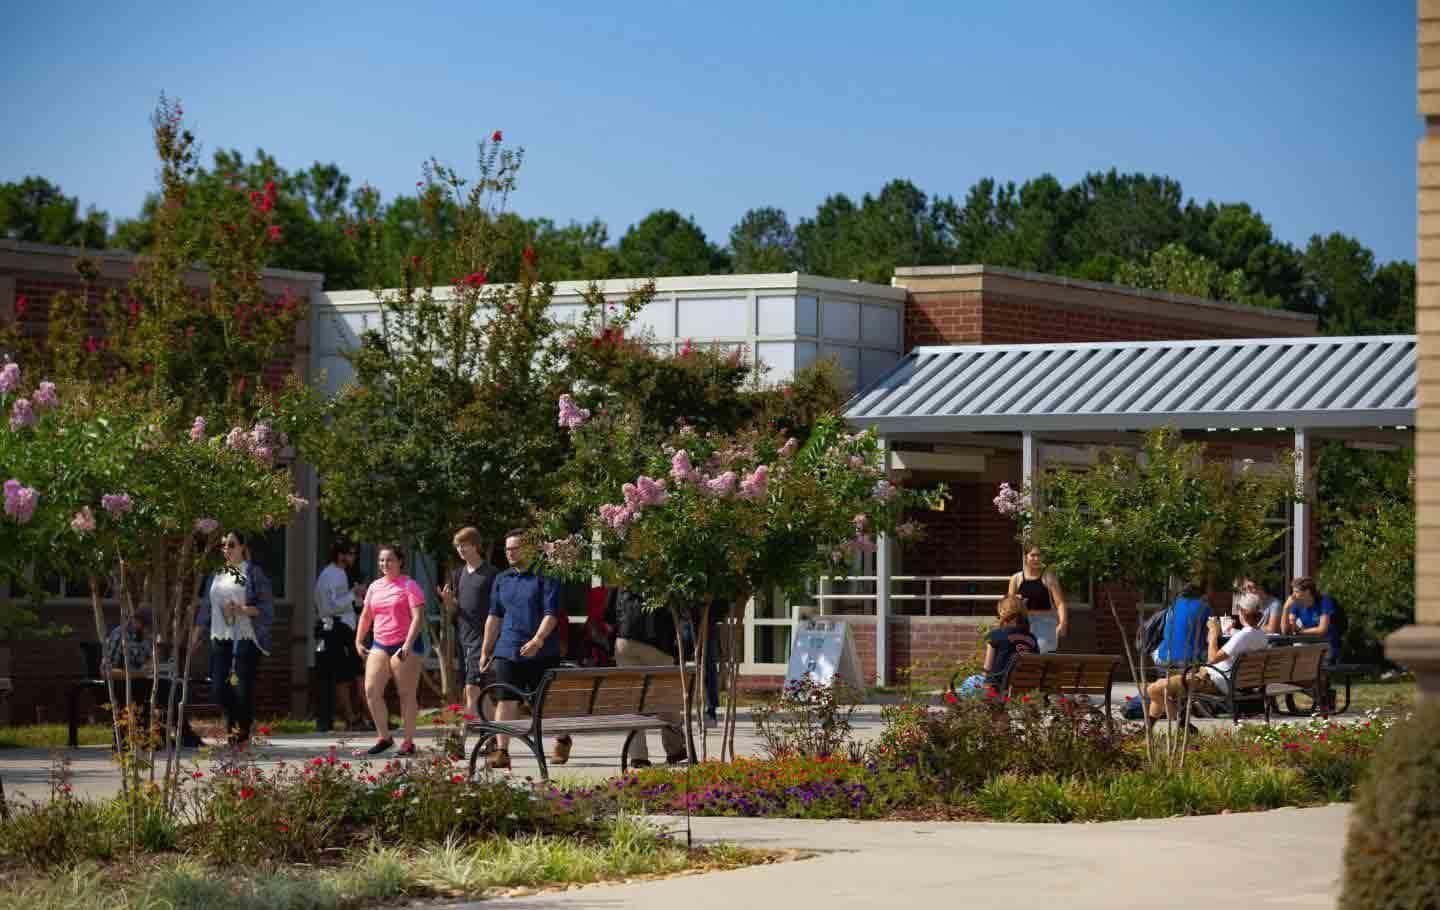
282	828
496	136
951	698
349	232
529	255
19	306
196	775
246	793
345	765
91	344
457	779
263	731
275	232
475	279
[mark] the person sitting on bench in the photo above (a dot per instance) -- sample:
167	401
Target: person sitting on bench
131	645
1164	694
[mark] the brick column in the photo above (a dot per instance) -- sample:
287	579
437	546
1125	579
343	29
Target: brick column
1418	646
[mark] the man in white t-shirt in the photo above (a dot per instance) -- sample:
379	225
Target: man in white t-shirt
1164	694
335	660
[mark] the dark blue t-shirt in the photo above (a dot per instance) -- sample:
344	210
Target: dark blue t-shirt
1310	616
1008	642
523	600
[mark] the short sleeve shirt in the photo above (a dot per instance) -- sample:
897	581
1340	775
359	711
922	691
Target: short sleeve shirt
1007	644
472	593
1242	642
392	604
522	600
1310	618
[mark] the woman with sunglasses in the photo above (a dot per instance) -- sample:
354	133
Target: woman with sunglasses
237	606
395	606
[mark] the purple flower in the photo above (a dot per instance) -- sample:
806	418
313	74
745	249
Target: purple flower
9	378
723	485
680	467
116	504
45	396
1011	501
652	492
206	526
20	501
197	429
84	520
21	415
755	486
572	416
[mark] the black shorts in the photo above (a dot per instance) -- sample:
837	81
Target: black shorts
523	674
338	661
469	648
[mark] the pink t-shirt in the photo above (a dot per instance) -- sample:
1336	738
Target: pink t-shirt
391	603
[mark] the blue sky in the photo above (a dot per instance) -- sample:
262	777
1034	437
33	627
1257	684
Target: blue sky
1304	109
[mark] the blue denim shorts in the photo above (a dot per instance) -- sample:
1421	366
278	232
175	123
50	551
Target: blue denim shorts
418	647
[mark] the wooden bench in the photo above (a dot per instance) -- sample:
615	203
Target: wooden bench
1062	674
93	679
578	701
1268	674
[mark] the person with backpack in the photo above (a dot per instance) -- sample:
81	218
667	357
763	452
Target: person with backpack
1308	613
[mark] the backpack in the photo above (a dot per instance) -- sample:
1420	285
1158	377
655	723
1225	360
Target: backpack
1149	636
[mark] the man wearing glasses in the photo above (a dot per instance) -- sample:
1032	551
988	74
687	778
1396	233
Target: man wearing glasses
519	640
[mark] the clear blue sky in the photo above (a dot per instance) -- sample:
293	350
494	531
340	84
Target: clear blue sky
1305	109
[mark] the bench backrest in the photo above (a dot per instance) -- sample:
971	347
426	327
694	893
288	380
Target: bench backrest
1297	666
608	691
1063	674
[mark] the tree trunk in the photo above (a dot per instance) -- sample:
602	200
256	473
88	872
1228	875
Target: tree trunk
702	642
101	634
684	689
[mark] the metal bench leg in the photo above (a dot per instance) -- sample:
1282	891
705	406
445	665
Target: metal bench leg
625	751
537	746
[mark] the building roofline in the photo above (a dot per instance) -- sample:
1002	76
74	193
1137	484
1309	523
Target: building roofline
983	271
1140	345
671	284
126	256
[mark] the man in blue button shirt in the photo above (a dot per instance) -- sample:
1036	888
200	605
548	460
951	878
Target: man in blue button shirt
520	642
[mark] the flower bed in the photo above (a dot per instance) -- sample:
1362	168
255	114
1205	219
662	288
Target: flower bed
1012	761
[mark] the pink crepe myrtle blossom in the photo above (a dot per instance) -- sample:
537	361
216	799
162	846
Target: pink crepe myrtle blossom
652	492
885	491
206	526
756	484
117	504
263	454
572	416
45	396
862	543
261	435
84	520
197	429
1011	501
680	467
20	501
237	439
723	485
617	518
9	378
21	415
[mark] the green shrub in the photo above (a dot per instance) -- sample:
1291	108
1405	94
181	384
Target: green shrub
806	719
60	832
1395	829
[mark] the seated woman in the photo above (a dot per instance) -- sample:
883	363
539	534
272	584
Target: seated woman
1008	640
1164	694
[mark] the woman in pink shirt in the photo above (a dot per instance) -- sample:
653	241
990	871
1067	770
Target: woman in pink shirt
395	605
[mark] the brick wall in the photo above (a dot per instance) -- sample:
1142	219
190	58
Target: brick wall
968	538
943	319
1010	319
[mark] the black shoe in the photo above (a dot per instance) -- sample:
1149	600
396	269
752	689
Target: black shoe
640	763
675	758
191	741
380	746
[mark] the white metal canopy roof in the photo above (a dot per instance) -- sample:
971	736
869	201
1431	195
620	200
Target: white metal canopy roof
1364	381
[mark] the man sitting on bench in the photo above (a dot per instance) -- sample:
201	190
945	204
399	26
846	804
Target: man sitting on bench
1165	693
132	644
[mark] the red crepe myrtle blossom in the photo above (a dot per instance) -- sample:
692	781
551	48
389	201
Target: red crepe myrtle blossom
20	304
275	232
92	344
497	136
246	793
529	255
457	778
349	231
475	279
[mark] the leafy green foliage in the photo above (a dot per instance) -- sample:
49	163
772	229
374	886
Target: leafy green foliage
1395	828
35	210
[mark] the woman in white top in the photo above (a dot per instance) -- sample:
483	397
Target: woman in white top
1044	600
236	609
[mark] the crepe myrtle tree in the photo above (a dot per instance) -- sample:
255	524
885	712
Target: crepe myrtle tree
96	484
719	517
1145	518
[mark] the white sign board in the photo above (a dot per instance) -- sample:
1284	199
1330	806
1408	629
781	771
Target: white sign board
824	650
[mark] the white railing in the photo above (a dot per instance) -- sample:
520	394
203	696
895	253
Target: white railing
927	596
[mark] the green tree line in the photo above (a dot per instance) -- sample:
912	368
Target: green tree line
1134	229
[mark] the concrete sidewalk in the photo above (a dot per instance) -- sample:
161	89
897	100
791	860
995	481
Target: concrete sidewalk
1283	858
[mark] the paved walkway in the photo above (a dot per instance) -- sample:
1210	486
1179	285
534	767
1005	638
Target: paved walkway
93	772
1284	858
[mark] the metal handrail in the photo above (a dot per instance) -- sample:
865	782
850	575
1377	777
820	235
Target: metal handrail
929	597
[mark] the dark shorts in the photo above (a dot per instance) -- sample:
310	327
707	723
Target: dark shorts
523	674
338	661
470	647
418	647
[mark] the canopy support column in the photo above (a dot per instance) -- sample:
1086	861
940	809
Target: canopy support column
1304	487
883	563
